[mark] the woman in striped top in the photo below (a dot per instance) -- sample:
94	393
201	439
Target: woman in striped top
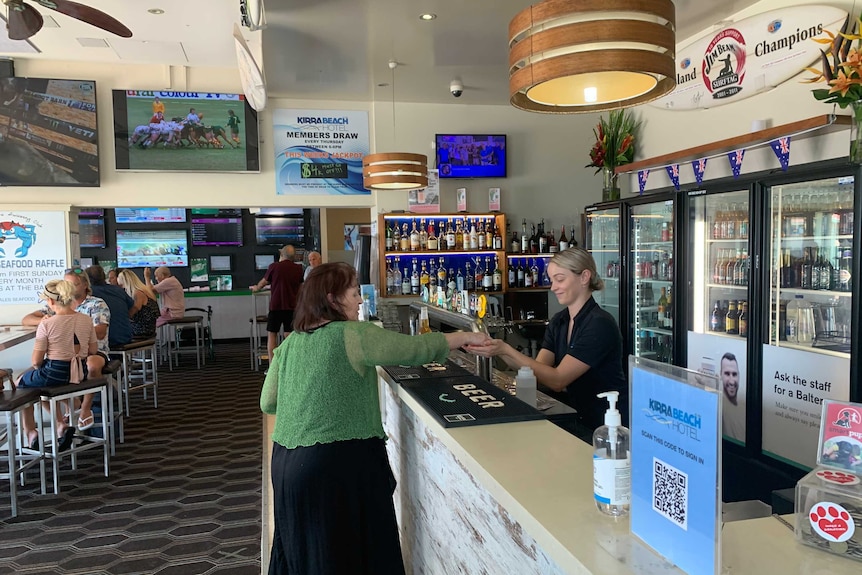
63	340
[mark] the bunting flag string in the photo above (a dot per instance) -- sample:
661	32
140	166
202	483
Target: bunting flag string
673	174
699	167
735	158
781	147
642	178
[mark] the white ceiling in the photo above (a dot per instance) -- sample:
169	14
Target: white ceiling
327	49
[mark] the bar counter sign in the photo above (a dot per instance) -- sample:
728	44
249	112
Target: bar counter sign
463	401
676	464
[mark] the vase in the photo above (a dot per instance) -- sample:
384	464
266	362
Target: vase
610	185
856	138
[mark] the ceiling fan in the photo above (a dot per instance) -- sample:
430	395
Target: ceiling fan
24	20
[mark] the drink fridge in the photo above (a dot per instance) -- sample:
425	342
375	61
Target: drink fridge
602	239
717	306
651	278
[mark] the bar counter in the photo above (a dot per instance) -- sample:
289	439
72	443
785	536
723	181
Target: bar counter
517	498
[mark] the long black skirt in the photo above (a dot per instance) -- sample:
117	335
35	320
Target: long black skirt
333	509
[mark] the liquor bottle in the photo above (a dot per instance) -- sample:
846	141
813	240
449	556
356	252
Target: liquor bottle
542	238
552	242
405	238
743	320
396	280
805	273
498	275
450	236
528	274
406	283
459	280
525	239
432	278
498	238
459	235
513	275
441	273
482	237
390	279
534	274
563	242
452	285
414	238
490	229
522	275
414	277
573	243
479	280
716	322
423	236
470	279
662	306
424	278
396	237
488	278
668	311
473	242
389	238
534	240
731	325
433	244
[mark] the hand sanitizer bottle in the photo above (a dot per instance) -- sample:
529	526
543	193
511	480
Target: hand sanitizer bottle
612	466
525	386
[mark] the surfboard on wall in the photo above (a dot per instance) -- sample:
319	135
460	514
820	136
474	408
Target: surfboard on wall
749	56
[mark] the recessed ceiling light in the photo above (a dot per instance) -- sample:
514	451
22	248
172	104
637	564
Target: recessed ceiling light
156	11
427	17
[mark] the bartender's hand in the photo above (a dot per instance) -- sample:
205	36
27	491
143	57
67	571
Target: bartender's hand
489	348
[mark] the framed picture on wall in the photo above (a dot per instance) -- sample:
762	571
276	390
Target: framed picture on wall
351	236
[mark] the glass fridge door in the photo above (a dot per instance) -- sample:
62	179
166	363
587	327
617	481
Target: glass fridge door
718	309
806	359
652	269
603	242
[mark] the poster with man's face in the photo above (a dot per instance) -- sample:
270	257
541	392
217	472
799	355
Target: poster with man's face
723	357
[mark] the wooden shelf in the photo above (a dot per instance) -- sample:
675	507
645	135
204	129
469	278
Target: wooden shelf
818	125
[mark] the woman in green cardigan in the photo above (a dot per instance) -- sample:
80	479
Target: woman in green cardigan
331	478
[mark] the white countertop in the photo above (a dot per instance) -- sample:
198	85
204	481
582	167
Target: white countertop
543	476
12	335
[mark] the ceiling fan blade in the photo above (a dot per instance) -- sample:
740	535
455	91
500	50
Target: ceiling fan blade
24	21
89	15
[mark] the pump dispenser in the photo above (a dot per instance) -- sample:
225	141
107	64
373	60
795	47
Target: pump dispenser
612	471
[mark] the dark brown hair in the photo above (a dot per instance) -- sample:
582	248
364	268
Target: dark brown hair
97	275
313	306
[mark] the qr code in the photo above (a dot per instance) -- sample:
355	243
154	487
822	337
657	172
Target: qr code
670	492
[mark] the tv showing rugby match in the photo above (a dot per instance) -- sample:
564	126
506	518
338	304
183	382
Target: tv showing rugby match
184	132
48	132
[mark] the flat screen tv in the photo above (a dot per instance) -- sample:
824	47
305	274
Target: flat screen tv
278	231
184	132
471	155
216	231
150	215
153	248
48	132
91	232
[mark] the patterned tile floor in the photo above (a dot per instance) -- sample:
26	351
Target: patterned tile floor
184	492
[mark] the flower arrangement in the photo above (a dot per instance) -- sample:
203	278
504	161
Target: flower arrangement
841	67
615	139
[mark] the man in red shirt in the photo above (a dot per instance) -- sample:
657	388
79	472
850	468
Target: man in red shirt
286	277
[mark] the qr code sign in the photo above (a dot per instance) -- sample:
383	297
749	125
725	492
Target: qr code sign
670	492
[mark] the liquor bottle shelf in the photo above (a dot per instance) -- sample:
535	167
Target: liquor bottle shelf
442	253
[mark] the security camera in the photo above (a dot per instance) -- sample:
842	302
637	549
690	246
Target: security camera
456	87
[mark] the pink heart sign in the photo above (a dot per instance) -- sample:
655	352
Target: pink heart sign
831	521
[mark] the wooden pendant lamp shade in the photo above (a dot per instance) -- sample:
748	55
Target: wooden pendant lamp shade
574	56
395	171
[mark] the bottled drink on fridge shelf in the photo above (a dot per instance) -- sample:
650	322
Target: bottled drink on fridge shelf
662	305
743	320
716	319
731	326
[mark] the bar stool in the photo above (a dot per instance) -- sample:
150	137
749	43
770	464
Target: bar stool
58	395
113	371
171	331
6	376
19	458
139	369
257	340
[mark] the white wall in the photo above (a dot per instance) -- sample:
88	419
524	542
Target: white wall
546	153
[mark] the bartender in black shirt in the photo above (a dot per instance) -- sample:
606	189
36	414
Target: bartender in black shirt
581	353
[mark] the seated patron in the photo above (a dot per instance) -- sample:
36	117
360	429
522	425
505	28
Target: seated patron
100	316
118	302
112	277
170	290
145	310
314	260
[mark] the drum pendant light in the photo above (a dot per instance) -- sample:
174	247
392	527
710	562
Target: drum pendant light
394	170
574	56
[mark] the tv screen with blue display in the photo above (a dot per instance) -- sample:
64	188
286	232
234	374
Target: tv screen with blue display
152	248
471	156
